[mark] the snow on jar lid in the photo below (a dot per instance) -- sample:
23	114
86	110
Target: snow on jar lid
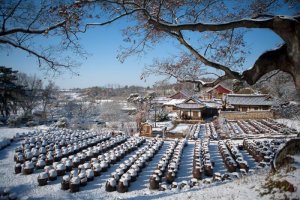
112	182
68	163
126	176
43	175
75	180
82	175
82	156
96	165
60	167
55	164
103	164
47	168
87	165
89	153
18	165
40	162
74	173
66	178
130	160
76	159
120	171
124	181
158	172
52	173
28	154
94	160
89	173
115	175
122	166
132	172
101	157
28	165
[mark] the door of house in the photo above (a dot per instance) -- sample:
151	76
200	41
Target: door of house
195	114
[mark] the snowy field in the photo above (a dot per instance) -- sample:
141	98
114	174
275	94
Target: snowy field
180	128
247	187
295	124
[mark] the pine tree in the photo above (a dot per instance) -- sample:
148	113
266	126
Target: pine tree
10	92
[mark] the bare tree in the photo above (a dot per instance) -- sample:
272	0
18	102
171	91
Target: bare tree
24	22
211	31
33	87
48	97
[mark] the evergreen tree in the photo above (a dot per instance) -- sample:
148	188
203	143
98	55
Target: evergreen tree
10	92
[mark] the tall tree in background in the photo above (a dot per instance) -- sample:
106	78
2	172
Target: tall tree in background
48	97
33	90
9	92
211	32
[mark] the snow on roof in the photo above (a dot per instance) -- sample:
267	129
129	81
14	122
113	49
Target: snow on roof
174	102
249	99
190	106
219	85
160	100
212	104
185	93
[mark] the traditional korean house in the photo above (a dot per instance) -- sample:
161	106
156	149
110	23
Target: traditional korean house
159	101
217	92
248	102
194	108
183	94
170	106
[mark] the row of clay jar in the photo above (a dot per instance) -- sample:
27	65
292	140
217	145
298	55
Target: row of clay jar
86	172
128	171
46	160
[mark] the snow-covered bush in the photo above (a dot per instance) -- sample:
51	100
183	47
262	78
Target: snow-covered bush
62	122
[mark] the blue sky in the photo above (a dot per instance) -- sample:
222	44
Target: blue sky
102	67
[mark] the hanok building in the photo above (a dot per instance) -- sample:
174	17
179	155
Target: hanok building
216	92
194	108
170	106
247	102
183	94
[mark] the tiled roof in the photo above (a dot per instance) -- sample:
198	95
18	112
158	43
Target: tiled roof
185	93
219	85
190	106
212	104
160	100
249	99
173	102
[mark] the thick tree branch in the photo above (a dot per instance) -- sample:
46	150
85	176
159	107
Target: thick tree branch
228	72
202	27
10	14
200	83
267	62
32	31
112	20
52	64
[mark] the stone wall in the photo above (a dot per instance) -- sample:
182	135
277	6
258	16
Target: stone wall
236	115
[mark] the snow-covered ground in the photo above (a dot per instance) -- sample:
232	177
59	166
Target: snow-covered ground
26	186
180	128
295	124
